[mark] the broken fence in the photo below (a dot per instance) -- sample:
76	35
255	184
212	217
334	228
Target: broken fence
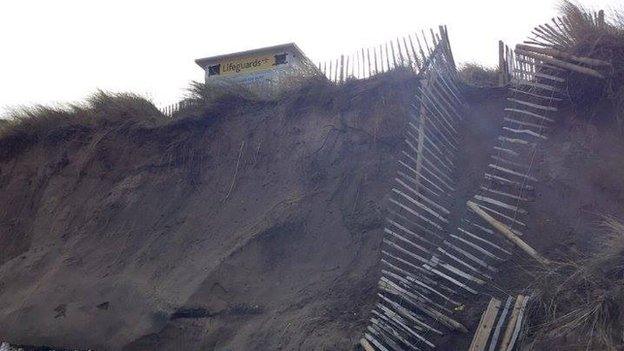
429	269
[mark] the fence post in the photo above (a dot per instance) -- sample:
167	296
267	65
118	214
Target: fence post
501	63
601	20
393	55
375	58
418	66
341	68
363	67
381	66
387	57
369	61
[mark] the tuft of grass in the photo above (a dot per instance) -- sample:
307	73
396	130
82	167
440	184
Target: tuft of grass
43	124
582	301
584	33
478	75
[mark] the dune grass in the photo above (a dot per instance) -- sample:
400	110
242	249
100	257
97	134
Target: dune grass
582	300
479	75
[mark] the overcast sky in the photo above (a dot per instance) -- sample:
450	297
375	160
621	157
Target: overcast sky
61	51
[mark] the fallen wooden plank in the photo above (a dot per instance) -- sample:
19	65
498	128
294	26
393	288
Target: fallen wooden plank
503	229
511	326
366	345
485	326
518	327
499	325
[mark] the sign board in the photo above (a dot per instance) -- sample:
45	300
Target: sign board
245	65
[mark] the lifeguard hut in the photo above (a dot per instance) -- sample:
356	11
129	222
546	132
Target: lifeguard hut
264	71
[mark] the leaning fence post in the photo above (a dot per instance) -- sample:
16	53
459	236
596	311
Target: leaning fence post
375	58
501	63
363	67
601	20
387	57
341	68
393	55
417	61
369	61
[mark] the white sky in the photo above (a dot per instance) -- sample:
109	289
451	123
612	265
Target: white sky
61	50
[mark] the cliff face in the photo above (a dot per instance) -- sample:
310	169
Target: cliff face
256	225
251	225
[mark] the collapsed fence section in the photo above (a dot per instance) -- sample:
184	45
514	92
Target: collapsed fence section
539	73
419	286
429	269
497	213
547	46
509	183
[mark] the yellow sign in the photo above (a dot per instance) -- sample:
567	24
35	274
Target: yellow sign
247	65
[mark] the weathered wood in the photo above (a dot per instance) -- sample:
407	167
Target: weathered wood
426	42
499	325
512	172
408	314
375	59
473	258
534	105
476	237
342	72
393	288
518	327
503	229
499	203
363	64
563	55
422	52
502	193
366	345
484	329
502	215
476	247
526	124
387	57
529	113
501	63
394	59
551	98
560	63
511	325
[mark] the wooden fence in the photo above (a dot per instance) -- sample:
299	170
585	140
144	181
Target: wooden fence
429	269
546	46
419	287
172	109
411	51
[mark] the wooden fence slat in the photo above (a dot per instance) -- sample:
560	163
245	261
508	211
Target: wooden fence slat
393	55
341	69
387	57
418	64
425	41
363	61
369	61
511	326
486	324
